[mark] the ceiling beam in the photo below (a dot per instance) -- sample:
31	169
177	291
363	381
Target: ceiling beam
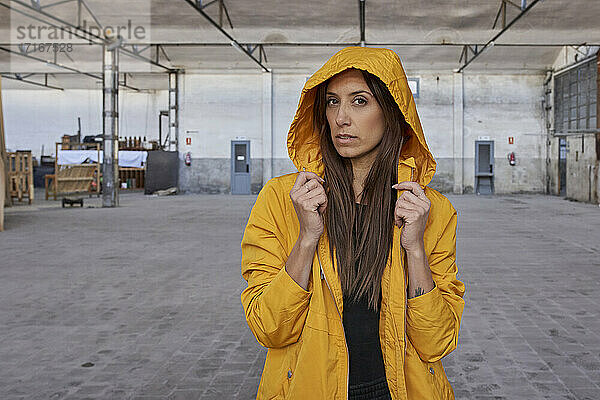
492	41
345	44
86	34
18	78
234	43
62	66
52	64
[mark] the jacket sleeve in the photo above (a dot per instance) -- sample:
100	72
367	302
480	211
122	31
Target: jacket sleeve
433	319
274	304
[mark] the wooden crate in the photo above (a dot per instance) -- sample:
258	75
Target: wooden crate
20	175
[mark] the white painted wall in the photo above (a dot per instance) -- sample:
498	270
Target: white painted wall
500	106
219	107
33	118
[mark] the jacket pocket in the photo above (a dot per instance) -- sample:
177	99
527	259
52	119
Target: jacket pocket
279	371
289	372
420	381
440	380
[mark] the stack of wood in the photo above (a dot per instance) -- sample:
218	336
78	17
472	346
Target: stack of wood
20	175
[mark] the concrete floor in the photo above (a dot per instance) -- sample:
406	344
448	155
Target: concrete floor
142	301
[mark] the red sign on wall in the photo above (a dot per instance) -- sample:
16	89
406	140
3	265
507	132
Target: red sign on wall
188	141
511	140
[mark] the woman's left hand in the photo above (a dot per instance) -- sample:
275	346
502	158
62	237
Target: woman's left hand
411	211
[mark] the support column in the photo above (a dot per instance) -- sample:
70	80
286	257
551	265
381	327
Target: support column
267	127
110	126
173	144
458	131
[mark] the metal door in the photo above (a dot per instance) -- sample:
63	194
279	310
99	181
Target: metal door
562	166
484	166
240	167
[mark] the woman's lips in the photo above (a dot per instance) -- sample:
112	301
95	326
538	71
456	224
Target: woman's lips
344	138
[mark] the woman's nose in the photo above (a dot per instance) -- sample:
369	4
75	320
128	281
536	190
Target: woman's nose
343	117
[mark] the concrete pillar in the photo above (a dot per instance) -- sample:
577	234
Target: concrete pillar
110	126
173	144
267	127
458	131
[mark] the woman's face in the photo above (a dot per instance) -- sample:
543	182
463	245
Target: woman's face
355	118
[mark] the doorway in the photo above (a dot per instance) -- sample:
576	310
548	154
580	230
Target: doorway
484	166
240	167
562	166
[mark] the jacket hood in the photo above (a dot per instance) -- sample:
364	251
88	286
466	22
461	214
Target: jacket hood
303	143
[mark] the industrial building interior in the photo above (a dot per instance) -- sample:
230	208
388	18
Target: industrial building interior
135	137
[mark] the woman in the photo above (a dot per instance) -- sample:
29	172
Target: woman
350	263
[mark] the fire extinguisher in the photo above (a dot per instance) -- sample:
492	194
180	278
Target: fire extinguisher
511	158
188	159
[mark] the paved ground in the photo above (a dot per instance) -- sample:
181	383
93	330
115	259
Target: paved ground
142	302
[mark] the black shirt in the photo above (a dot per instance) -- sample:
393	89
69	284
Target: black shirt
367	371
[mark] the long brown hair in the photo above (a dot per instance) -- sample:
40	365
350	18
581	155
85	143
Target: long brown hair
361	276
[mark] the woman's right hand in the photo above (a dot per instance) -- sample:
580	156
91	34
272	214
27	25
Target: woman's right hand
310	201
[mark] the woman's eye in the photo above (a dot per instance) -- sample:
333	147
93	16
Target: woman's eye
331	101
360	101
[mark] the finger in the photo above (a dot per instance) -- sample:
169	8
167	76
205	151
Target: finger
405	215
312	194
323	206
301	179
320	199
312	202
410	197
312	184
312	175
412	186
405	204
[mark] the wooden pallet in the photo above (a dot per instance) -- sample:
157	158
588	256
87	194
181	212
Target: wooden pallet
73	179
20	175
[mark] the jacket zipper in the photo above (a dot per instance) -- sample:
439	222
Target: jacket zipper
405	282
340	315
412	170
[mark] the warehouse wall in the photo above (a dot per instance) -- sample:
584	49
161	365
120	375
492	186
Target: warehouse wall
500	106
215	109
583	150
56	115
218	108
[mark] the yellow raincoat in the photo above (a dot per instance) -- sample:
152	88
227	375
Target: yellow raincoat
307	357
